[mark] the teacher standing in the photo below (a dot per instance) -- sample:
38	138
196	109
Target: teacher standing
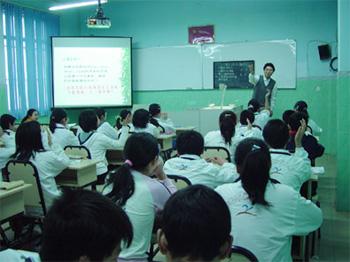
263	83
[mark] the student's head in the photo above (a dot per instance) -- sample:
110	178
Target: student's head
32	115
28	140
58	116
276	133
101	114
141	153
140	118
295	118
88	121
7	122
154	110
190	142
286	115
83	225
253	162
269	69
246	114
227	123
123	115
253	105
300	106
196	226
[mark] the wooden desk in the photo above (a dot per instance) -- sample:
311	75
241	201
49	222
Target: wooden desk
115	157
12	201
79	174
180	130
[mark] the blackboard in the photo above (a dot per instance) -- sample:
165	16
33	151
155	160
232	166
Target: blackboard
232	74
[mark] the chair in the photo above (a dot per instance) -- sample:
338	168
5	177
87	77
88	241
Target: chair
241	254
180	181
216	151
77	152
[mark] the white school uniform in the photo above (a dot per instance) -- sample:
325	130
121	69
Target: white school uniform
9	138
214	138
267	231
199	171
106	129
261	118
12	255
149	197
64	137
243	132
98	144
151	129
316	130
5	154
167	124
290	169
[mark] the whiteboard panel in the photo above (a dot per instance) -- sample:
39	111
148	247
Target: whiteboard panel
167	68
281	53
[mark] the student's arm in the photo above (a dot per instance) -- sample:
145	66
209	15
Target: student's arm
109	131
301	163
224	172
253	79
60	160
109	144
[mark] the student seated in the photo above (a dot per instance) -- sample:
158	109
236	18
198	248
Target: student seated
125	116
58	127
261	115
5	155
309	142
160	119
7	123
141	196
189	164
225	137
80	226
265	214
32	115
104	127
49	163
141	123
287	168
301	106
196	226
286	115
245	128
98	143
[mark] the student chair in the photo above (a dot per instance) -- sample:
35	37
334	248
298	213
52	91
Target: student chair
240	254
79	152
216	151
179	181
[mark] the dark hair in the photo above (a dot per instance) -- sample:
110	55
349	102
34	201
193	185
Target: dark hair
140	118
28	140
252	156
140	149
83	223
300	106
270	65
295	118
6	120
253	105
30	112
122	115
246	114
154	109
57	115
88	120
100	112
276	133
227	122
196	223
190	142
286	115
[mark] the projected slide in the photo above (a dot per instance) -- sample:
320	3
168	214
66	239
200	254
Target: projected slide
90	72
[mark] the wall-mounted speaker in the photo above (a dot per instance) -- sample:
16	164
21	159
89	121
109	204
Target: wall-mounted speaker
324	51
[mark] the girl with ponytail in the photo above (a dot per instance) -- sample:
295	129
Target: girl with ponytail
265	214
132	187
58	127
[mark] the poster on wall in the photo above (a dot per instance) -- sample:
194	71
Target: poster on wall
201	34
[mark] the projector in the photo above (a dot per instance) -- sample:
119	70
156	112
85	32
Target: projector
94	22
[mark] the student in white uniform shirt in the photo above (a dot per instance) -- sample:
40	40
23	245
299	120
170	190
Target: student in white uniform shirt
140	123
49	163
196	226
265	214
225	137
301	106
140	195
287	168
189	164
261	115
160	119
58	127
7	123
98	143
104	127
245	128
125	117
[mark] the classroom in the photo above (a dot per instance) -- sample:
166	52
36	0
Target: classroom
306	40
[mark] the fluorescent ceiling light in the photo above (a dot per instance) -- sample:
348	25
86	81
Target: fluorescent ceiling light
73	5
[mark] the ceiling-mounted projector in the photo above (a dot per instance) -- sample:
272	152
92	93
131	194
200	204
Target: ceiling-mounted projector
99	20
